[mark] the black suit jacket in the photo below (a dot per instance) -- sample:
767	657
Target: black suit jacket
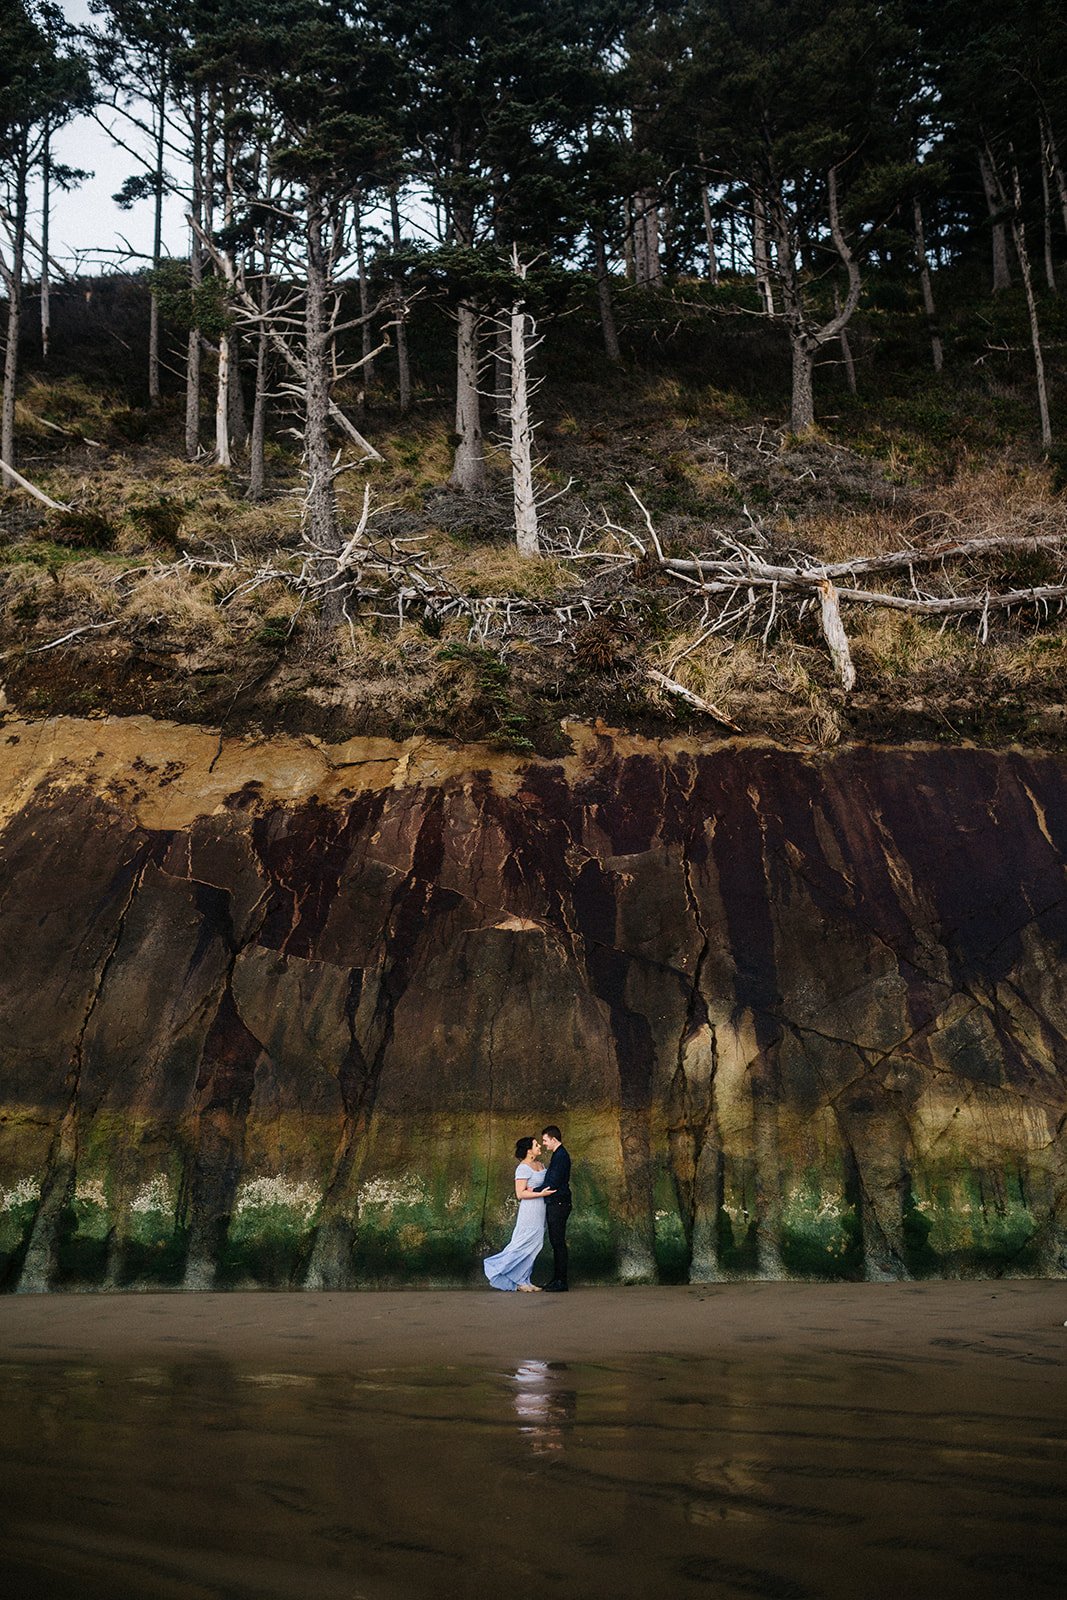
558	1177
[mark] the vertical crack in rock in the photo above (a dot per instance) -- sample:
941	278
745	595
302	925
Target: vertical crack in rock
490	1109
739	847
693	1134
1050	1238
881	1236
881	1225
58	1184
415	902
325	1261
607	968
224	1086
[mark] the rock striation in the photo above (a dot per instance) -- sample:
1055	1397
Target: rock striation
273	1012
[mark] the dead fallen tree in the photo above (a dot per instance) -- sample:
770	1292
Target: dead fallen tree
30	488
738	590
738	568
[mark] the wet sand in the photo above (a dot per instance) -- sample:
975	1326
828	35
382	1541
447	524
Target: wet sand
777	1440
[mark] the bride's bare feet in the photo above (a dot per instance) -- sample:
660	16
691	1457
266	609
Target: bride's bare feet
530	1288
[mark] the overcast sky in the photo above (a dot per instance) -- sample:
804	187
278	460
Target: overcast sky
87	219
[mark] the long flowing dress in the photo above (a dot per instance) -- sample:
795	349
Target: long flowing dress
513	1265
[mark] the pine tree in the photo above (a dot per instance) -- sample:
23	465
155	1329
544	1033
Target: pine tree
501	96
43	83
800	103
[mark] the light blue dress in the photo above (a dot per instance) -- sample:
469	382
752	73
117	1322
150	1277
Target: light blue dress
513	1265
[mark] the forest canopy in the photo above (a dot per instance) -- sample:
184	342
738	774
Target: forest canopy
405	211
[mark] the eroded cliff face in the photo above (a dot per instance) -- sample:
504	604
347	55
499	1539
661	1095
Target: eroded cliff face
274	1012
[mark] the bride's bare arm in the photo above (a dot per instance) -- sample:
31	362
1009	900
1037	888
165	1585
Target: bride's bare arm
524	1192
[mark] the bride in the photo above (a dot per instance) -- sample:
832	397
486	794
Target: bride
511	1267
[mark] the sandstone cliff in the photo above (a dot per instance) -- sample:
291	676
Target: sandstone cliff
274	1012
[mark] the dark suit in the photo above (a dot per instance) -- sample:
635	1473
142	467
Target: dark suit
557	1210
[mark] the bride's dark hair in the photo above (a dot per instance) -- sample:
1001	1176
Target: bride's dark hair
523	1148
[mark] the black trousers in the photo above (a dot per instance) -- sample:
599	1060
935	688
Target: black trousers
557	1214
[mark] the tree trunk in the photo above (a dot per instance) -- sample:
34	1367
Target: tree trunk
14	314
647	269
284	350
802	348
1001	266
709	233
761	255
196	278
807	341
1057	170
502	376
403	368
222	404
802	410
321	500
366	371
227	341
1019	235
468	467
238	410
936	348
256	469
46	206
257	443
526	532
1046	198
604	300
157	234
846	348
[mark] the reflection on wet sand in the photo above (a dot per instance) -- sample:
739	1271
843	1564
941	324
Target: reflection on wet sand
786	1478
544	1405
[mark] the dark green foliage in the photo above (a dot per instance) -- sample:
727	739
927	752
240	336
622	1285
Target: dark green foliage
738	1245
160	519
83	530
207	306
916	1228
493	680
274	634
160	1263
80	1257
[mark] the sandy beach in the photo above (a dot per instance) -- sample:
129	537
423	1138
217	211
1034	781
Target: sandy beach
784	1441
1020	1320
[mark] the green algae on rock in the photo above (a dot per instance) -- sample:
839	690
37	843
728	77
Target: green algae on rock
273	1012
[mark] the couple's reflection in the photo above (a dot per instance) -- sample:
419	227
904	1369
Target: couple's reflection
545	1406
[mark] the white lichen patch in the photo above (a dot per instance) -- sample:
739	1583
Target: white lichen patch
91	1192
390	1192
815	1207
153	1196
23	1193
299	1200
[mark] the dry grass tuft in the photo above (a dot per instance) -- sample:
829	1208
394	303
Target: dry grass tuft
181	608
499	570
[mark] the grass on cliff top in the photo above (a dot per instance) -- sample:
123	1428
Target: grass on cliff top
697	428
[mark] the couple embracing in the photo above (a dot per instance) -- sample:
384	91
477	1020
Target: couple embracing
544	1198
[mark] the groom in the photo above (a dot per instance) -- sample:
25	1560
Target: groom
557	1205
